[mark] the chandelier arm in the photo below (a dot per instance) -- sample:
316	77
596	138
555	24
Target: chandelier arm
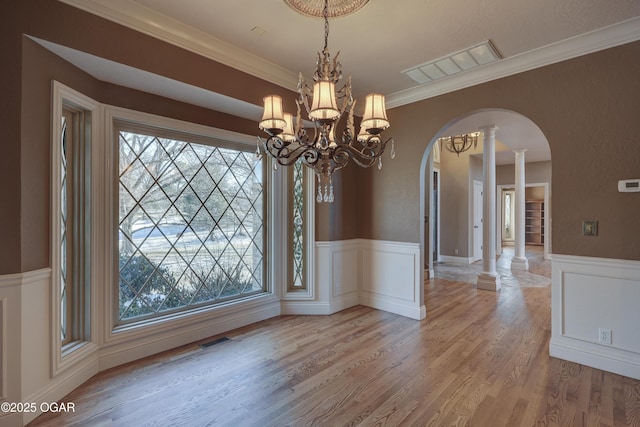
364	157
287	154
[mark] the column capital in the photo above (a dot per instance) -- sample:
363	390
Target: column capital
520	150
489	129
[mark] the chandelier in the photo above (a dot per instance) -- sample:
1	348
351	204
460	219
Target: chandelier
459	143
321	146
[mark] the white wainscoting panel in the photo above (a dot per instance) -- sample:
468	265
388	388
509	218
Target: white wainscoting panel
3	349
390	278
593	293
379	274
344	263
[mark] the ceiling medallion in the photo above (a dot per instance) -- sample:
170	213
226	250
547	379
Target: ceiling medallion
337	8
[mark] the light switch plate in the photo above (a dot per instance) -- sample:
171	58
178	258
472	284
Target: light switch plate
589	228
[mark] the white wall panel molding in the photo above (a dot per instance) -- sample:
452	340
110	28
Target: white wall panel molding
589	294
380	274
390	279
19	279
3	349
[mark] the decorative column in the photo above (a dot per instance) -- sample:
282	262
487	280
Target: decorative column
520	261
489	278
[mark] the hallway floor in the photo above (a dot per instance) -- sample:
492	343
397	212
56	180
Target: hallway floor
539	274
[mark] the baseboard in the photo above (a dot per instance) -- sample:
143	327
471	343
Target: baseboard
456	259
61	386
118	353
384	303
596	356
336	304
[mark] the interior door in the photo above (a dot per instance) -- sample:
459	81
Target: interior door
477	220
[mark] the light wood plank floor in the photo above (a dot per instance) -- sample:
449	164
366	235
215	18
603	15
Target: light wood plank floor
480	359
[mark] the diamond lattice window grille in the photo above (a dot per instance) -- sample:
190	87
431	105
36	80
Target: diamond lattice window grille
63	233
190	225
298	226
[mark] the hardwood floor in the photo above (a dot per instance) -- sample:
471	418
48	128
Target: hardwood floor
480	359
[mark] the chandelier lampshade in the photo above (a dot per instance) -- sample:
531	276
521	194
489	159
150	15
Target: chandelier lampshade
273	121
375	119
288	134
324	106
328	143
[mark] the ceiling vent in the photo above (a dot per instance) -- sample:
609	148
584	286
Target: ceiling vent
466	59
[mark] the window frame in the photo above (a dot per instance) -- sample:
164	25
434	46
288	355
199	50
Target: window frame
289	291
188	138
113	330
83	342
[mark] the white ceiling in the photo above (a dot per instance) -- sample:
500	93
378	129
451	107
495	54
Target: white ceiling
380	41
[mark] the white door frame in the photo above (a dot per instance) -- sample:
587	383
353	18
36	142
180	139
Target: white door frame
547	218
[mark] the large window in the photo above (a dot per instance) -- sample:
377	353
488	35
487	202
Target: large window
190	223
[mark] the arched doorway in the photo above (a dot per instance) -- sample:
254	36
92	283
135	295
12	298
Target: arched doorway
448	200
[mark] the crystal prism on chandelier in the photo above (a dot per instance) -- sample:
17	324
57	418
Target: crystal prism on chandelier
322	150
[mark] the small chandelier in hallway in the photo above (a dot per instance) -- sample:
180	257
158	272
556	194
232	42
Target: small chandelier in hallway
325	151
459	143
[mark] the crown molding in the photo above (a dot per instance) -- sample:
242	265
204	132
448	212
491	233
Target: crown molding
604	38
147	21
150	22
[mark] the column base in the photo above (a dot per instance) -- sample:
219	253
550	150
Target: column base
520	264
489	282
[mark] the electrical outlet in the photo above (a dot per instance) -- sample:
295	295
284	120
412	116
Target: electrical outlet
455	252
604	336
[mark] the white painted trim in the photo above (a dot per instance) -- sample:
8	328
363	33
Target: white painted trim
147	21
3	348
305	308
19	279
547	215
126	345
456	259
617	358
596	356
61	386
60	359
594	41
122	334
309	237
439	234
386	266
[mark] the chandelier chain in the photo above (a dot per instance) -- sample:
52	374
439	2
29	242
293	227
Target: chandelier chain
325	14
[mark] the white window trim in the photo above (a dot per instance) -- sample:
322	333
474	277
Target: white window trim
309	238
72	354
112	332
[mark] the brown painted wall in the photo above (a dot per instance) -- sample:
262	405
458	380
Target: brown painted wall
587	108
534	172
25	80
